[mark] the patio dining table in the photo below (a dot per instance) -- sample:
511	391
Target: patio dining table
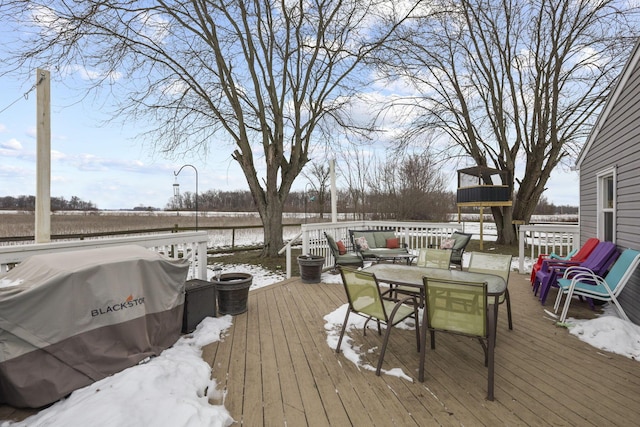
398	274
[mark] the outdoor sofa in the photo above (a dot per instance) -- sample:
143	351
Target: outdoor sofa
376	244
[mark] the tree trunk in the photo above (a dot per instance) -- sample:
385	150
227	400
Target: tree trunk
504	225
272	222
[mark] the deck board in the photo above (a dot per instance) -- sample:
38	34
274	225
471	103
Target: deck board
544	375
275	368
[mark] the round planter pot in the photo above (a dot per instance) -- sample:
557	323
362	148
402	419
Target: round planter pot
233	292
310	268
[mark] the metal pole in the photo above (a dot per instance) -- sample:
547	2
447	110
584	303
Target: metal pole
334	199
196	171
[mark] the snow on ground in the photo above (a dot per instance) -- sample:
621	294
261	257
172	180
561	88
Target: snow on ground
174	388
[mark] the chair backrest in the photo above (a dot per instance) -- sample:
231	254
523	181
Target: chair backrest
462	240
363	293
586	249
456	306
497	264
333	246
567	257
622	270
601	258
434	258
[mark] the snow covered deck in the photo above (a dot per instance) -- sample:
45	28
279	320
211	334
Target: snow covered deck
278	369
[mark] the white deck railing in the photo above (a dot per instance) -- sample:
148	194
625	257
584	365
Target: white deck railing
534	239
190	245
546	238
414	234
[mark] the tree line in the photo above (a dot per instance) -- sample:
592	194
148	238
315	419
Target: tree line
28	203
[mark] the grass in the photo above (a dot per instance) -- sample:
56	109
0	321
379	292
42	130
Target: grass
23	223
492	247
253	257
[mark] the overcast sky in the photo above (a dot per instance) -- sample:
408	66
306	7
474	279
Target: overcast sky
110	167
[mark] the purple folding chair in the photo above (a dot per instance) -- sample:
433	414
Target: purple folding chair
598	261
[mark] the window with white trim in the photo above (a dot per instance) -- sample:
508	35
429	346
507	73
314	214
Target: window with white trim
607	205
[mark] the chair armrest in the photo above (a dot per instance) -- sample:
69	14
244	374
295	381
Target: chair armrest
586	276
557	264
574	270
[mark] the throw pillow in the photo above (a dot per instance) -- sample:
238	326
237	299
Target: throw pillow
393	243
342	249
362	242
447	243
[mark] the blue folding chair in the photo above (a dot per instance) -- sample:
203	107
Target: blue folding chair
591	285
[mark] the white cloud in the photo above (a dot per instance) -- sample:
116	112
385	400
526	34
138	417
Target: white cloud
12	144
87	74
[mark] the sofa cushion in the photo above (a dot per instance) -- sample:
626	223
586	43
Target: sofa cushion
447	243
382	236
363	243
393	243
342	249
368	235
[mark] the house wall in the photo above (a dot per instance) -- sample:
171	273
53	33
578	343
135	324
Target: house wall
617	143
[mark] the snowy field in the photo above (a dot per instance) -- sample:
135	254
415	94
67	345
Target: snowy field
174	388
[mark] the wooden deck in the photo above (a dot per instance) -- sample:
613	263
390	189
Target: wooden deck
277	369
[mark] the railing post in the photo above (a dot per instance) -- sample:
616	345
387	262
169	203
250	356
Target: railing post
202	256
288	261
305	240
233	238
521	237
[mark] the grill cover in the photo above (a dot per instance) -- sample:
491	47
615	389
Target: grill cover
68	319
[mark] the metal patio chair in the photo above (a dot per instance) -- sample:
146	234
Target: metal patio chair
460	308
497	264
366	299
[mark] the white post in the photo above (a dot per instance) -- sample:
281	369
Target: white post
521	237
43	157
334	199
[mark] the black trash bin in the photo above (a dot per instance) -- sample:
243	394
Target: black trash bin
233	292
199	302
310	268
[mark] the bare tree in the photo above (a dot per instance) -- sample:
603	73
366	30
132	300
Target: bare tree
409	187
513	85
318	178
267	76
354	166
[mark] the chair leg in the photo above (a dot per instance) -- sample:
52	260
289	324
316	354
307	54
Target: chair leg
508	300
620	310
415	313
565	309
423	347
536	286
491	344
385	341
491	357
544	293
344	326
484	349
556	305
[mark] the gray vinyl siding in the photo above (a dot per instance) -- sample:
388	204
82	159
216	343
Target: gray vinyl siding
617	143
